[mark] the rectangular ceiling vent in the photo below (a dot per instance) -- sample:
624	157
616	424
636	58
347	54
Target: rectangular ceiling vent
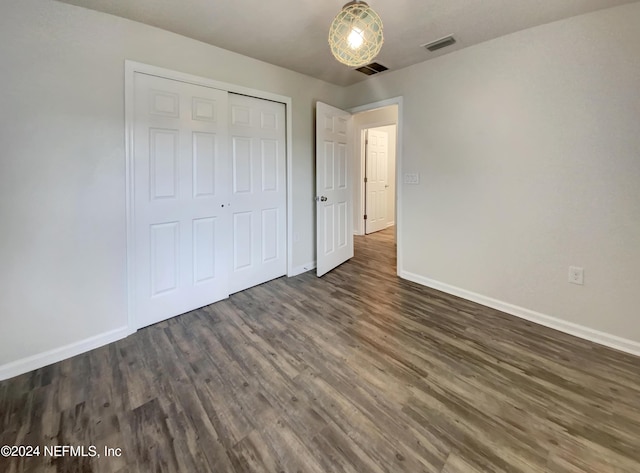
371	69
440	43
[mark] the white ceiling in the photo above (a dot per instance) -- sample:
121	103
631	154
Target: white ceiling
293	34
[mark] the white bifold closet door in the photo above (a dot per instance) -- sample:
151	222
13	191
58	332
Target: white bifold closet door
208	205
258	210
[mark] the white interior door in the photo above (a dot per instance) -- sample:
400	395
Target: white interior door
259	191
376	180
334	232
181	195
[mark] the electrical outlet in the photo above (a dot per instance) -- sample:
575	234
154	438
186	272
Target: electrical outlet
412	178
576	275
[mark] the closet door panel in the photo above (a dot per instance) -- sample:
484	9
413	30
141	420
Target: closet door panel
257	129
180	196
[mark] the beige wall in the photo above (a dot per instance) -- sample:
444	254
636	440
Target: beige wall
62	168
528	150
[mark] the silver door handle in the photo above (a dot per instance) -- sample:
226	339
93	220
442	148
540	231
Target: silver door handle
321	198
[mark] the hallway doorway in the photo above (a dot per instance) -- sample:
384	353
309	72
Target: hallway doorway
375	169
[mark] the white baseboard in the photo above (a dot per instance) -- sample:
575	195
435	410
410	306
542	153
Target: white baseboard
18	367
601	338
390	224
302	269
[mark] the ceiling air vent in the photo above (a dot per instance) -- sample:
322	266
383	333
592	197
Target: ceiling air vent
371	69
440	43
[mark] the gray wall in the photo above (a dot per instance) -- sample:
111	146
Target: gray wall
527	146
62	169
528	149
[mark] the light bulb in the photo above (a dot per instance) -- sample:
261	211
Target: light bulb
355	38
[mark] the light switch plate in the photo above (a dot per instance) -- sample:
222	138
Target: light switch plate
411	178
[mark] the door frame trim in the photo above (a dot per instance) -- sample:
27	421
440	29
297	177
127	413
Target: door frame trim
381	104
130	69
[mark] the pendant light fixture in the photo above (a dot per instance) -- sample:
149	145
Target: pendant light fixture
355	36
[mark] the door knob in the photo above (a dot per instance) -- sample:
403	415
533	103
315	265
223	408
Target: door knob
321	198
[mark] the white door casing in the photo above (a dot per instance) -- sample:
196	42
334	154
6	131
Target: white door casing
376	185
334	232
180	198
259	192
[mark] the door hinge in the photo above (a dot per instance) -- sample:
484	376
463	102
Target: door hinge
366	180
365	217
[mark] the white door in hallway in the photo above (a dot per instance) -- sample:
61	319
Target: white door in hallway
376	185
334	232
180	197
259	191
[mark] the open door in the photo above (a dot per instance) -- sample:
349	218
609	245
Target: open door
376	180
334	231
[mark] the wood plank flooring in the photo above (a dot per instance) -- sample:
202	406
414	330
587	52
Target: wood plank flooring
358	371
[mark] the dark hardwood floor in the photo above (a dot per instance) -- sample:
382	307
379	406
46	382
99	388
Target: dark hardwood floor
358	371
